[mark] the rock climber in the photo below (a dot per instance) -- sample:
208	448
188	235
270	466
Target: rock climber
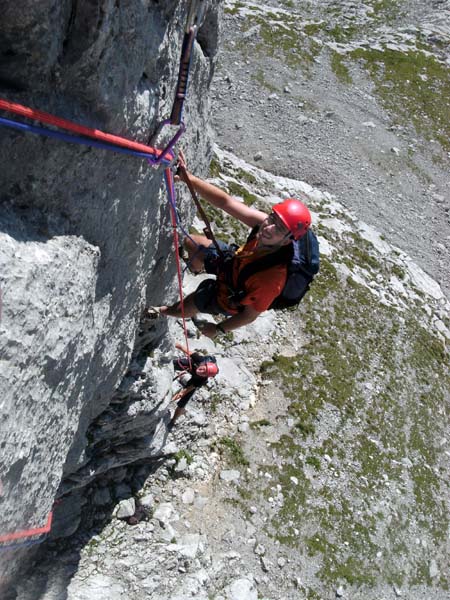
200	367
289	220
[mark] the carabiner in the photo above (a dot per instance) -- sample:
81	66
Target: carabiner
195	14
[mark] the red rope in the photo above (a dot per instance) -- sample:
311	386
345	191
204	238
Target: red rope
28	532
171	192
43	117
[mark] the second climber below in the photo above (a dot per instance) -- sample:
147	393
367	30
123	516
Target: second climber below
289	220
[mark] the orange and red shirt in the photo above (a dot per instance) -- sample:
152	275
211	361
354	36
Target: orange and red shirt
261	288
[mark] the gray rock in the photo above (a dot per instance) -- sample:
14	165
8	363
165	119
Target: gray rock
123	491
199	418
126	508
102	497
265	564
164	513
166	533
433	569
200	501
188	496
241	589
181	465
147	501
81	241
230	475
188	546
97	586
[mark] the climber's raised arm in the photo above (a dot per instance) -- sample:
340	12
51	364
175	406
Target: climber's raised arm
220	199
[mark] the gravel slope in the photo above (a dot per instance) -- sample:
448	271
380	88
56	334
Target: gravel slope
284	100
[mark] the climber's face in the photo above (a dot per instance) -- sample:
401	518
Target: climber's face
273	232
201	371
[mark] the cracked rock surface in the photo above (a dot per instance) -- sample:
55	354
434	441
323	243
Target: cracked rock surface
83	244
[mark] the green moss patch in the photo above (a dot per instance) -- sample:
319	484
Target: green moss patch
385	440
282	37
360	472
414	86
236	189
233	451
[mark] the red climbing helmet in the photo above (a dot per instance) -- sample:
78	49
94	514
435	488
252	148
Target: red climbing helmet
295	215
207	369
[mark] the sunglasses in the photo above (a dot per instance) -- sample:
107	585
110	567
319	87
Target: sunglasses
280	228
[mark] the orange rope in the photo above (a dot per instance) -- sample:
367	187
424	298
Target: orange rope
168	175
28	532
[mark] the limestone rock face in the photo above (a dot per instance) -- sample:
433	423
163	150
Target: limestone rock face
85	243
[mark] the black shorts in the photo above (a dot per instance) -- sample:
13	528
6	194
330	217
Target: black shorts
185	399
205	298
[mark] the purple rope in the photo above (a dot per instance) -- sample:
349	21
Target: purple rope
23	544
85	141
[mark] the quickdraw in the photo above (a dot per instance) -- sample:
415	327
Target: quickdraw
194	19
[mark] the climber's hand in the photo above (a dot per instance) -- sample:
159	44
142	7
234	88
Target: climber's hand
205	327
209	329
181	164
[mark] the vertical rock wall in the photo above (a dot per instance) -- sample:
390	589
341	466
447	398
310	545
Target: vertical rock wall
84	233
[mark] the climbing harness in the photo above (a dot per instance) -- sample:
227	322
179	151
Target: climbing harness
192	25
194	19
